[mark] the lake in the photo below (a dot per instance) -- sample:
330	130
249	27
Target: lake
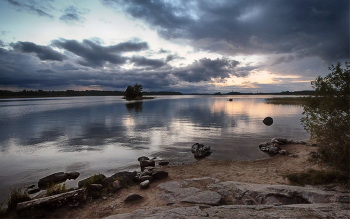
41	136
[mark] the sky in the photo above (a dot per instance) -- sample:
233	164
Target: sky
190	46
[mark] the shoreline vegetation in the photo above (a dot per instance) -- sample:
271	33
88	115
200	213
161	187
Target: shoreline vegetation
300	101
72	93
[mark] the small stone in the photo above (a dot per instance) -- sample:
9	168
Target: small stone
160	174
104	198
145	184
96	187
133	197
283	152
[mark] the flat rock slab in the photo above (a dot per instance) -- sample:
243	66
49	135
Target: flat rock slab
175	193
240	211
206	197
250	194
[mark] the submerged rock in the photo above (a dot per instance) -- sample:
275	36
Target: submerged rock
200	150
52	179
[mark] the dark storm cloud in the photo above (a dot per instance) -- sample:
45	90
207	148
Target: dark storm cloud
142	61
205	69
72	15
96	55
42	52
32	7
305	28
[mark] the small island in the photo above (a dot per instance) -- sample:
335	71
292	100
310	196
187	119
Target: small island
135	93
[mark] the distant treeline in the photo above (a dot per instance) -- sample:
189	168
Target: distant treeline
71	93
303	92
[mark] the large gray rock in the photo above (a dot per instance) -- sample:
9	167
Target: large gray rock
52	179
160	174
240	211
206	197
254	194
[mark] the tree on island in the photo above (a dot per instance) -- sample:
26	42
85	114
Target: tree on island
327	117
133	92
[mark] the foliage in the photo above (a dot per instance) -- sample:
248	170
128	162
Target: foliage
133	92
287	100
95	179
16	197
316	177
327	117
56	189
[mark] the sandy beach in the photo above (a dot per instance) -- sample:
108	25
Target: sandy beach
268	171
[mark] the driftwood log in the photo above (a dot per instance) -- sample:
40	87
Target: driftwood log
53	201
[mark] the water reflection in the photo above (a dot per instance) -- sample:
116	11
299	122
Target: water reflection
137	106
99	134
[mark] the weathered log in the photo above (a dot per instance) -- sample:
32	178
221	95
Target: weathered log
53	201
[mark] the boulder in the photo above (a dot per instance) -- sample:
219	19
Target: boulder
200	150
73	175
142	158
268	121
133	197
124	176
147	163
52	179
160	174
145	184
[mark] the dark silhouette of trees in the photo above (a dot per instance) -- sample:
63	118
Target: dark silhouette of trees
134	92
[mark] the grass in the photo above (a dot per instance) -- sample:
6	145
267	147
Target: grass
317	177
56	189
16	197
287	100
95	179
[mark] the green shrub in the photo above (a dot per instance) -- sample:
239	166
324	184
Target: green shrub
55	189
316	177
95	179
16	197
327	117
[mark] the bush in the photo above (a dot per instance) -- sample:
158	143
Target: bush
16	197
56	189
327	117
316	177
95	179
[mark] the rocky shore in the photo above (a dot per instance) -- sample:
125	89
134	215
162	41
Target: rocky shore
207	188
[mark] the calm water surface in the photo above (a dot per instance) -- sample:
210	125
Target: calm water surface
106	134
